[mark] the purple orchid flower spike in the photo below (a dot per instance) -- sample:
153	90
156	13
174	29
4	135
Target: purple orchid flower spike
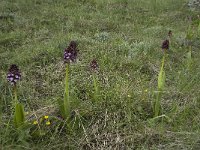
13	74
165	45
70	53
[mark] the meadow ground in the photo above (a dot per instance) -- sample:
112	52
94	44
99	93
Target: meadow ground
125	38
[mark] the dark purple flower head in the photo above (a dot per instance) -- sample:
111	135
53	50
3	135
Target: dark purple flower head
13	74
70	53
165	45
94	65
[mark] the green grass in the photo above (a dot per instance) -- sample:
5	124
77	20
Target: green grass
125	37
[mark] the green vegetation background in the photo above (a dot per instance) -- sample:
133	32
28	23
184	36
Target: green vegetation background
125	37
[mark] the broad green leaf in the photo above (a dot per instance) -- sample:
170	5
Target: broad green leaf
19	116
161	76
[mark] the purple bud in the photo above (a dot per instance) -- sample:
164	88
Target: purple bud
170	33
94	65
165	45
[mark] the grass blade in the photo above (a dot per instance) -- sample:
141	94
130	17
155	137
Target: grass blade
189	58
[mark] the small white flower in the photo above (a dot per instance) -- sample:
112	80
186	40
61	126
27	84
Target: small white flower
11	78
16	76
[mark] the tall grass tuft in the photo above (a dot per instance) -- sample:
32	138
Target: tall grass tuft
189	58
1	110
199	28
189	37
13	76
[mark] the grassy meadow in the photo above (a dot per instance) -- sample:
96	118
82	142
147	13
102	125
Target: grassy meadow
116	112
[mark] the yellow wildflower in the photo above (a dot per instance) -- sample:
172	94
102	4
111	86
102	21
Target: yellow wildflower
129	95
35	122
146	90
48	123
46	117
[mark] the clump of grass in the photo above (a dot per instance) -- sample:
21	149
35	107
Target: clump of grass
189	37
1	110
199	28
189	58
13	76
